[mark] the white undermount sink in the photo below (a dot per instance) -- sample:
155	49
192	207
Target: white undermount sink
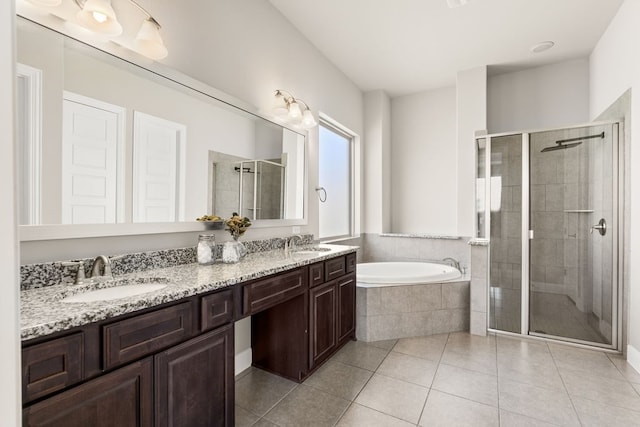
115	292
310	251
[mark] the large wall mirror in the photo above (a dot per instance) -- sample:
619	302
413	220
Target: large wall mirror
103	141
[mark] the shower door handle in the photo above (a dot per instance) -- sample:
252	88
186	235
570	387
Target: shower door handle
601	226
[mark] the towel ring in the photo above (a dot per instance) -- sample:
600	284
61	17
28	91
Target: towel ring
320	195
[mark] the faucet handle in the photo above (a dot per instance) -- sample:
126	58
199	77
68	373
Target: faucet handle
80	276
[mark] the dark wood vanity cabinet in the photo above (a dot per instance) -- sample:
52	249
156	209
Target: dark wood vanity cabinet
173	365
160	367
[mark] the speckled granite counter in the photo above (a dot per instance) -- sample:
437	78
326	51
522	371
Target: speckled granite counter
43	312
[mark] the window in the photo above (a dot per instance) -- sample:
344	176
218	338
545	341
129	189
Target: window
336	178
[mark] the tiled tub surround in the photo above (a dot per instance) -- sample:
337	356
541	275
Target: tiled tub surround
393	312
415	247
43	312
40	275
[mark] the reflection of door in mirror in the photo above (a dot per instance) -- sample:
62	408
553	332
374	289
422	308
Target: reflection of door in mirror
92	166
158	169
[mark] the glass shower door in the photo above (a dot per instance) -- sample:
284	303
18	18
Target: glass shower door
573	242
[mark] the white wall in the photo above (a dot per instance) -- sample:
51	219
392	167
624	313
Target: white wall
9	306
541	97
471	98
423	163
614	68
377	161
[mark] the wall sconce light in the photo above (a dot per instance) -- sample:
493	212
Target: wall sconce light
288	106
99	17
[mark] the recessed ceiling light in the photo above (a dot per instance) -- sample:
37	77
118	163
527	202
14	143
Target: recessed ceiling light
542	46
457	3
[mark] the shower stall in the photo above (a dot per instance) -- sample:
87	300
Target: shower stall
549	203
261	187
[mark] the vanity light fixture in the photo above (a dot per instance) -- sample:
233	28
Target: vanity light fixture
287	105
98	16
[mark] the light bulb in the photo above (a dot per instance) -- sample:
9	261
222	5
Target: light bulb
279	107
98	16
294	110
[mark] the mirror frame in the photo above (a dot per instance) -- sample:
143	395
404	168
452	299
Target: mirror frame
68	231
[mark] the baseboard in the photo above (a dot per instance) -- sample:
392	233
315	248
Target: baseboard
243	360
633	357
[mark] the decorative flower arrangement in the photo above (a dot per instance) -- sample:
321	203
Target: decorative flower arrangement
237	225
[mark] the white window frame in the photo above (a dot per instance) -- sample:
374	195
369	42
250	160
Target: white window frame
354	178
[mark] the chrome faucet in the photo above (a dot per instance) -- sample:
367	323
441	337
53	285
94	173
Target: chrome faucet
454	262
289	243
102	262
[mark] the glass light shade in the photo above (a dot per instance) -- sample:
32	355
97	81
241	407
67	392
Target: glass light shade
279	107
308	121
148	41
99	17
294	110
46	2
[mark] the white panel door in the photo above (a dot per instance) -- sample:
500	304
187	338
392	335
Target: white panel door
157	157
92	135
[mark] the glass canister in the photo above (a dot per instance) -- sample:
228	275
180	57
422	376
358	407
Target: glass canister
206	249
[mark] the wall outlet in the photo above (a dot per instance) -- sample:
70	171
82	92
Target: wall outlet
295	229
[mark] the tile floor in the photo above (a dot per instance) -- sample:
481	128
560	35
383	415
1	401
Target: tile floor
448	380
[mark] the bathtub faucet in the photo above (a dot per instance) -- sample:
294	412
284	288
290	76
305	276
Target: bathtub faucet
454	262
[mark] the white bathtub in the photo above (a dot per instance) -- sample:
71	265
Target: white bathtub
380	274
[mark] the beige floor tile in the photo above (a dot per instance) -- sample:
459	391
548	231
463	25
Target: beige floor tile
385	344
429	348
476	386
524	349
307	406
598	414
601	389
463	341
361	355
589	361
258	391
446	410
625	368
358	415
637	387
541	374
394	397
509	419
483	361
245	418
408	368
536	402
341	380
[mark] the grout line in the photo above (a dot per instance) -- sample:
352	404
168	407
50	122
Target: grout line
434	378
565	386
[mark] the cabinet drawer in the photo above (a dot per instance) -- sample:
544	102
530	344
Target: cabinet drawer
217	309
52	366
334	268
351	262
138	336
316	274
266	293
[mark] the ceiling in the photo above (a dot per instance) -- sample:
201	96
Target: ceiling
407	46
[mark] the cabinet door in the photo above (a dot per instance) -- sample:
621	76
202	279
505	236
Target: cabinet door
120	398
346	307
195	381
322	323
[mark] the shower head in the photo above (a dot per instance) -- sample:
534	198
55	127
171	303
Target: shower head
562	144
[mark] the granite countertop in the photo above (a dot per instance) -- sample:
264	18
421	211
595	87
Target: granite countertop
42	311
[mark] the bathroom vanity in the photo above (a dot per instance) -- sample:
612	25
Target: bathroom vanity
167	357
